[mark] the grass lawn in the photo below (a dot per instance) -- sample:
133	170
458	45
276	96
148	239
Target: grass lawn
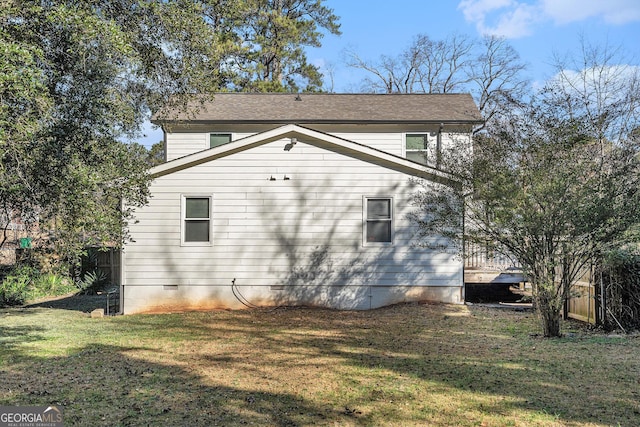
406	365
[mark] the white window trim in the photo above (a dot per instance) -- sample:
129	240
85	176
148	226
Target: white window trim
365	200
404	141
426	149
183	213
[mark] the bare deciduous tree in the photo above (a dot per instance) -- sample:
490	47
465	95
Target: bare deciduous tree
443	63
489	68
600	85
497	79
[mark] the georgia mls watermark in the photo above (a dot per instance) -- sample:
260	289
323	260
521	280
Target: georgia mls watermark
30	416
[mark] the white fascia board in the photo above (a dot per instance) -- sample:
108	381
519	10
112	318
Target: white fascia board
306	136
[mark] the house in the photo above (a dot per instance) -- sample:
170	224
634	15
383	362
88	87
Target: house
294	199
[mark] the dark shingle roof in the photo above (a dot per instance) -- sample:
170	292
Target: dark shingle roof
324	108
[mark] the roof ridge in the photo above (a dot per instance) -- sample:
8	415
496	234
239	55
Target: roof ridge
284	107
335	94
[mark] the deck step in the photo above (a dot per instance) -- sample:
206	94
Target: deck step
490	276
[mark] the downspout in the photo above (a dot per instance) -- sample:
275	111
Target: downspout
164	141
464	243
439	146
592	281
603	302
122	275
122	266
464	237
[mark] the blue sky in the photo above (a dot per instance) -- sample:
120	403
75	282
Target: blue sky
535	28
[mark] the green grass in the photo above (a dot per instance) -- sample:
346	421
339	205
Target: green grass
408	365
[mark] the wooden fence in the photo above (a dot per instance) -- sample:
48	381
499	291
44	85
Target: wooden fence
107	262
482	259
582	304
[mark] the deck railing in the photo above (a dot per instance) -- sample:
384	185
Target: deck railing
486	257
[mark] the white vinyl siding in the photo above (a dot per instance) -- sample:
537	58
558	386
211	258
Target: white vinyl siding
389	142
181	144
306	230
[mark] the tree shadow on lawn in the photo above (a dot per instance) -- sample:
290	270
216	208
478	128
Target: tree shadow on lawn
12	337
384	359
498	374
106	385
85	303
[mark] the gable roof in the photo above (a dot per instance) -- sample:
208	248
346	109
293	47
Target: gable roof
311	137
282	108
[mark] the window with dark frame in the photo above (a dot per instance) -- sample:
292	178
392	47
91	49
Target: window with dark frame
217	139
379	220
197	219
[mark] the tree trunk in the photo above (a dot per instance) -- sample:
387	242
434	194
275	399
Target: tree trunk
550	322
549	304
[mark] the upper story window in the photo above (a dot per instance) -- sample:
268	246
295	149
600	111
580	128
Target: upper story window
196	220
378	222
417	145
216	139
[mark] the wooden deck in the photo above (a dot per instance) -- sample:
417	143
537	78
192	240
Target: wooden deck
484	265
493	285
493	276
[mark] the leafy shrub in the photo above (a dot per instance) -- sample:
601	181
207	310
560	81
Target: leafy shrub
52	285
16	286
24	283
92	281
620	276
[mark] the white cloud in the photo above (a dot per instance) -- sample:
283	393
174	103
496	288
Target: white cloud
515	23
476	10
615	12
507	18
601	81
514	19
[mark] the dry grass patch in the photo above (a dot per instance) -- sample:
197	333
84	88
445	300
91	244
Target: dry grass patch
403	365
